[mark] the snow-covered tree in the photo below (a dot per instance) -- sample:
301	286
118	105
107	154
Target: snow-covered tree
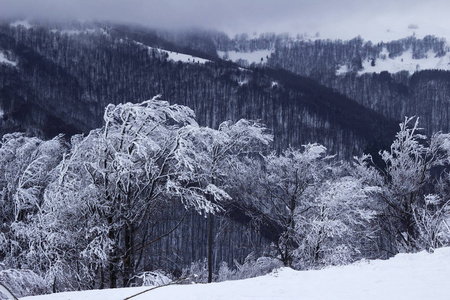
405	181
318	209
211	155
26	167
111	184
286	185
336	225
433	222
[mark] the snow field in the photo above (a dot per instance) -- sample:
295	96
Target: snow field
404	277
405	62
250	57
4	60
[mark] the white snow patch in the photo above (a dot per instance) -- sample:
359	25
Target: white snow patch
77	32
24	23
384	27
5	60
342	70
404	62
404	277
184	57
71	32
242	82
256	57
175	56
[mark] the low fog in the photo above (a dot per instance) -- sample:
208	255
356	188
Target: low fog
331	18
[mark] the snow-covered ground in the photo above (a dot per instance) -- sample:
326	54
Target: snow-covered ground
184	57
5	60
256	57
176	56
77	32
404	62
406	276
24	23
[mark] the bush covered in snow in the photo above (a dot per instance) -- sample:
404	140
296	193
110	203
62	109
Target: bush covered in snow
23	282
251	267
153	278
196	273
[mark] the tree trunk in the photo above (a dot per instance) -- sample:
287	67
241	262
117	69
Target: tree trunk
210	246
112	259
128	259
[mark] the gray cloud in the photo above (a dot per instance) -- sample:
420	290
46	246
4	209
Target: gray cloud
330	17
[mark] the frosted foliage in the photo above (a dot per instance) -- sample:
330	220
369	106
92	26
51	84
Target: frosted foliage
413	218
208	154
149	137
433	222
23	283
153	279
371	177
197	272
253	267
289	181
99	244
195	196
294	171
405	157
292	174
326	230
154	111
322	208
72	216
246	133
80	217
411	156
26	165
119	177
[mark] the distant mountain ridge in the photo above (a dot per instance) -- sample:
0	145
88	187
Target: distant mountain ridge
406	77
66	75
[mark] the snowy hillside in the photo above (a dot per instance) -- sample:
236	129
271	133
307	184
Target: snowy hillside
406	276
5	60
404	62
258	56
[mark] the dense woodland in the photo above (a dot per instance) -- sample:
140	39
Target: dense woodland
231	172
86	72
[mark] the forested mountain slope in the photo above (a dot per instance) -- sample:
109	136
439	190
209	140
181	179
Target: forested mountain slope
60	79
398	78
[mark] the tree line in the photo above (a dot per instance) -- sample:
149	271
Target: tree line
78	213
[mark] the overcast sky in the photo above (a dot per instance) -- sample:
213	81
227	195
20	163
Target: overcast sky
331	18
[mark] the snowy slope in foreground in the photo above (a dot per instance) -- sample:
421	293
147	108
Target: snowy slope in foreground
406	276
